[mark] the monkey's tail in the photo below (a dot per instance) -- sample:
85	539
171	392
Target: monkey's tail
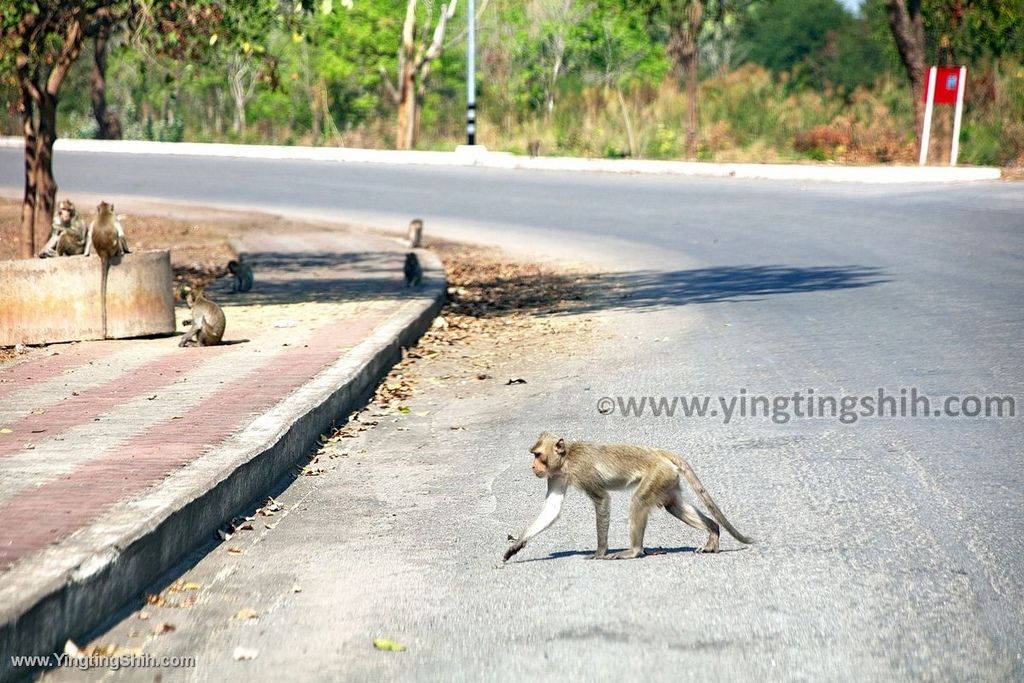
698	488
105	265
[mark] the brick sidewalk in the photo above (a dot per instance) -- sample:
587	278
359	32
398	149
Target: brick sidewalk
96	428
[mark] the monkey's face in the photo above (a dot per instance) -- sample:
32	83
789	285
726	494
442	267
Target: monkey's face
547	453
66	212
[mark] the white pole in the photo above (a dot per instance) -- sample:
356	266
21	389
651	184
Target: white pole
928	106
961	86
471	76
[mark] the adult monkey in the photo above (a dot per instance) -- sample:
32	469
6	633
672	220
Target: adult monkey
597	469
67	237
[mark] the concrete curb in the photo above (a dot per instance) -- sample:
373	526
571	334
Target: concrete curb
76	585
480	157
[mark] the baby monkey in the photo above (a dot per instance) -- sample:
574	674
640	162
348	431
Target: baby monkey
413	270
207	321
597	469
241	271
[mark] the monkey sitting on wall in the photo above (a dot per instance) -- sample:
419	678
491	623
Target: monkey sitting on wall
597	469
241	271
207	323
106	234
67	236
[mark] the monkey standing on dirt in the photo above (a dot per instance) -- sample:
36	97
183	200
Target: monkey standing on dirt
415	233
207	322
67	237
413	270
242	273
597	469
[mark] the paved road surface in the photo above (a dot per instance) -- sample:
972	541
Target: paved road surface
888	547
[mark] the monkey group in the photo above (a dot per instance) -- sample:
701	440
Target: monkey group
596	469
105	235
69	235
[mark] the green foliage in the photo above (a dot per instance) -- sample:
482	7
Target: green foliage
571	74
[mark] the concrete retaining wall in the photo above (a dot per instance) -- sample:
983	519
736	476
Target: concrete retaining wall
58	299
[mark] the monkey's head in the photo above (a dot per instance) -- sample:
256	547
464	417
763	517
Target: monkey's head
66	212
194	295
232	267
548	454
104	208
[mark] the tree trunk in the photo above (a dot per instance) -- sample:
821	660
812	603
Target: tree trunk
630	141
108	121
684	27
406	107
907	26
406	78
28	204
46	185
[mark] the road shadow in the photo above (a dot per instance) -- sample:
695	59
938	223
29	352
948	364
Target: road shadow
321	277
649	552
552	292
648	289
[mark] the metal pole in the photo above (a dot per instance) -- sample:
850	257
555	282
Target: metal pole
929	104
960	87
471	76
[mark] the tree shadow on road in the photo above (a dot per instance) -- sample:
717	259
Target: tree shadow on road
650	289
551	291
322	277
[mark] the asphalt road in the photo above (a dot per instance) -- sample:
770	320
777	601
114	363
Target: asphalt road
888	548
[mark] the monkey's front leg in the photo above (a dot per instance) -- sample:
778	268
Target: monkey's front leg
193	333
50	248
552	508
603	508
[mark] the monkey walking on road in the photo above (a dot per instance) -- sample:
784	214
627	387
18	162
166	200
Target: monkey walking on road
207	323
106	236
68	234
597	469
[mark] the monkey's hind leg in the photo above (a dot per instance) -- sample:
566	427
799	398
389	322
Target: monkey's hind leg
695	518
639	510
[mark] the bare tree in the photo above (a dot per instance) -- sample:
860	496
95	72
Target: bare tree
415	55
242	77
550	23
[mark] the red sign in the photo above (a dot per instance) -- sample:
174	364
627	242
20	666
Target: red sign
947	78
